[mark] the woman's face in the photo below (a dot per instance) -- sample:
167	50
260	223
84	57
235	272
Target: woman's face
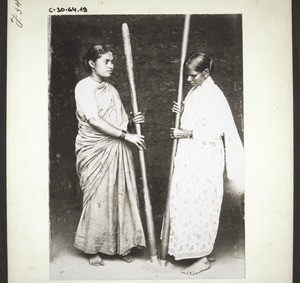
103	66
196	78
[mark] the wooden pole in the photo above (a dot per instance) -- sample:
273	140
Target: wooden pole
148	207
166	220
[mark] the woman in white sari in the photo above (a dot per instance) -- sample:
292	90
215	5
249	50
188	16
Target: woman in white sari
110	222
208	140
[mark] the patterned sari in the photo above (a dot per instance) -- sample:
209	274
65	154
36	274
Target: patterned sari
197	183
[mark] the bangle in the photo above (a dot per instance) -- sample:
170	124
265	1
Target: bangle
122	136
190	134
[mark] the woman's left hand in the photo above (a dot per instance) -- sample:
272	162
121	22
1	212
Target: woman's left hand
176	133
139	118
176	108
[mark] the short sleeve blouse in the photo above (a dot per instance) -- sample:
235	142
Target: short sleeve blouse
84	96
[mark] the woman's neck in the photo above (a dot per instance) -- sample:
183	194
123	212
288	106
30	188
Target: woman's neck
96	77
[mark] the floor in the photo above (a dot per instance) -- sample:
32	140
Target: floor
68	263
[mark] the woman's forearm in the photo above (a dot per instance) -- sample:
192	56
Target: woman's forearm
104	127
107	129
181	133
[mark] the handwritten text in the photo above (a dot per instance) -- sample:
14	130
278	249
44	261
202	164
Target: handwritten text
16	15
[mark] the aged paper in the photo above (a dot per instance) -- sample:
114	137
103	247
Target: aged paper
268	140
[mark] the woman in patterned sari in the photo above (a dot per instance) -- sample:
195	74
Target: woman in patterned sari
197	183
110	222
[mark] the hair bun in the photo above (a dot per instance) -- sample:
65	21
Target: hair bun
93	53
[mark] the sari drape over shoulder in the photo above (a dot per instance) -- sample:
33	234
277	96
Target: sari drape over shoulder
110	222
197	184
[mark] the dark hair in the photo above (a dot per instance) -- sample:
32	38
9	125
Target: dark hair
199	61
94	53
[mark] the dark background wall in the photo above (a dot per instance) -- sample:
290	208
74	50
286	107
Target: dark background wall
156	46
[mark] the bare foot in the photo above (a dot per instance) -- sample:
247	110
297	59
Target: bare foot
197	267
128	258
211	257
165	263
96	260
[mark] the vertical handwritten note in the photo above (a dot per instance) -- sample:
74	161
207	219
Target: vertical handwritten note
16	15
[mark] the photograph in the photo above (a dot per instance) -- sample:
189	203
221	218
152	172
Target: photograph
149	141
146	147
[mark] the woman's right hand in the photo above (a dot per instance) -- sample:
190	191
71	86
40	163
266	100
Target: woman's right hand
137	140
176	108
